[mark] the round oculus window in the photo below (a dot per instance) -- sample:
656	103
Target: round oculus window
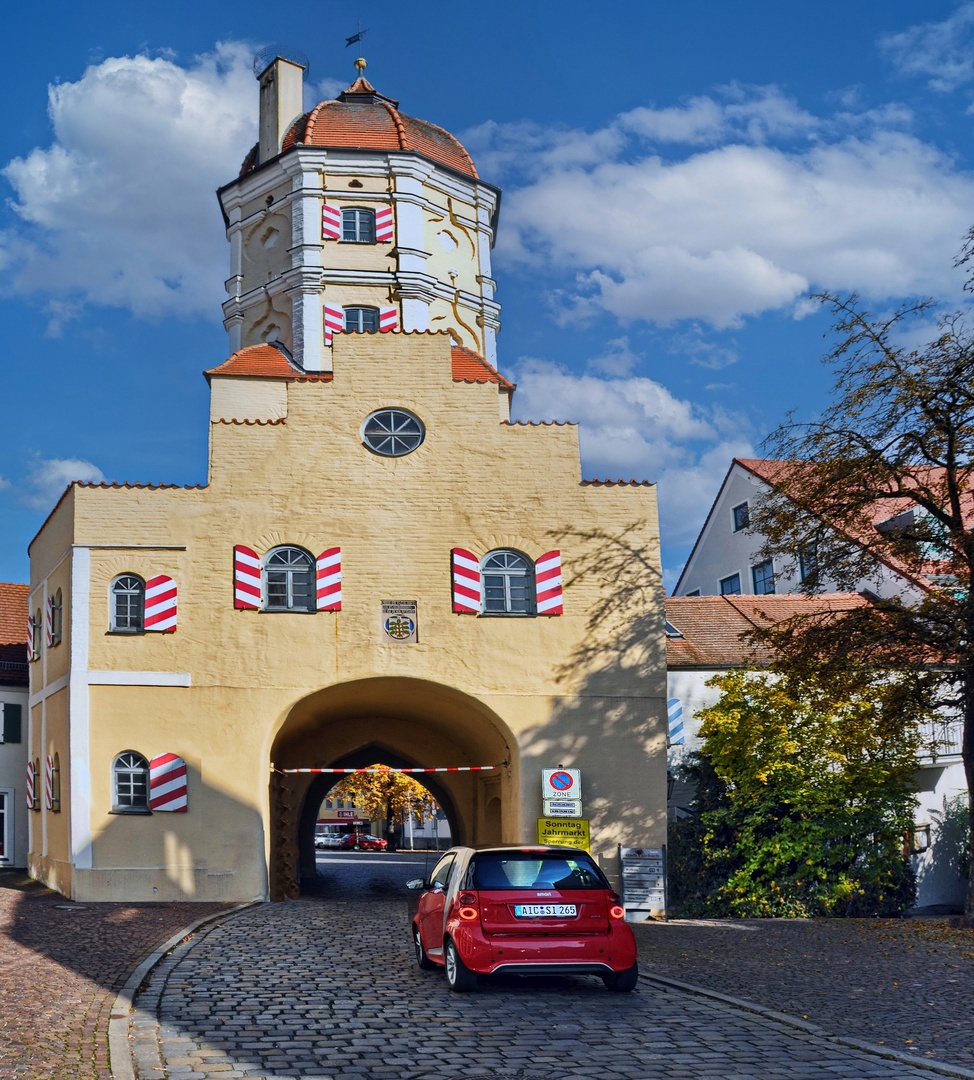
393	432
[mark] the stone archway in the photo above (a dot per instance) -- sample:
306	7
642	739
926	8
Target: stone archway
399	722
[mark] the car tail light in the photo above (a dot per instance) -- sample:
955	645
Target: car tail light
468	910
616	910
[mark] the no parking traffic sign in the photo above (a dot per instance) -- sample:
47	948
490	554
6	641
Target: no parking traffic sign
561	784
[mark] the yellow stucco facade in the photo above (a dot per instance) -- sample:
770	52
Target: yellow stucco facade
234	691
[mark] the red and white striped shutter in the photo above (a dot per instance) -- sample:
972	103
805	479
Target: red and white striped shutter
30	638
49	782
334	321
383	226
167	783
160	604
246	578
547	581
331	222
328	568
49	621
30	785
466	582
388	319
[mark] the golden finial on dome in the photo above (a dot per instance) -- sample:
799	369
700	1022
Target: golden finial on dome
361	64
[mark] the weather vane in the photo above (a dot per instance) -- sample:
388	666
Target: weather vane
356	37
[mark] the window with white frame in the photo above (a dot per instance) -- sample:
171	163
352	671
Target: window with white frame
289	580
358	226
730	585
127	604
361	320
130	783
740	515
762	577
507	579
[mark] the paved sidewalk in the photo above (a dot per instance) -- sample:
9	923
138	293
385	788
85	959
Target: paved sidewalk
906	983
329	989
61	965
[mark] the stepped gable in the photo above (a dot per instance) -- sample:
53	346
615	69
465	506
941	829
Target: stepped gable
361	118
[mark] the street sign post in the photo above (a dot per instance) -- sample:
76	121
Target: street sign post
561	784
562	807
642	872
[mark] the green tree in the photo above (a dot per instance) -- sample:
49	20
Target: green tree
882	481
386	795
804	800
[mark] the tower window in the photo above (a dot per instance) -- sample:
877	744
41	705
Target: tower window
393	432
358	226
128	604
361	320
508	583
289	580
130	783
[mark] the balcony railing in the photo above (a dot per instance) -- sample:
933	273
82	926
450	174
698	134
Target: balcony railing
941	738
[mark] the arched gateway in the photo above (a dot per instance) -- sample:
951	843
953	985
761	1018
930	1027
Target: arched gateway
380	565
399	722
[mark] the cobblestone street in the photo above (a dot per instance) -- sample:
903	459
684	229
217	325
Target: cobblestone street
61	965
329	988
904	983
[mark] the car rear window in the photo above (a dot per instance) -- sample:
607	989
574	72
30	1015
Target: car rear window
535	870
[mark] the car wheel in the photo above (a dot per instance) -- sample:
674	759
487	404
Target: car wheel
422	960
621	982
458	976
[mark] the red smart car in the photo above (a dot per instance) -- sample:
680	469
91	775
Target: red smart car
524	911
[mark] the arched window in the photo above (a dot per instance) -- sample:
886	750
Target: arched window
358	226
57	619
508	583
56	785
128	604
130	783
361	320
289	580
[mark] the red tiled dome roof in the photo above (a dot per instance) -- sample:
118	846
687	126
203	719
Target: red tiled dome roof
361	118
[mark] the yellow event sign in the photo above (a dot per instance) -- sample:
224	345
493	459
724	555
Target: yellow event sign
567	832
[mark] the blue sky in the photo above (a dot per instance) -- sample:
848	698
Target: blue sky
677	178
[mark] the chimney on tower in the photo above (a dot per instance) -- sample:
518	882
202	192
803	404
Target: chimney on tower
281	99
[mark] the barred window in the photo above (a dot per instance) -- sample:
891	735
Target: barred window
128	604
508	583
130	783
289	580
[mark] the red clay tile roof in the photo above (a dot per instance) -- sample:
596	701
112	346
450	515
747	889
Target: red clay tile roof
13	614
469	367
713	627
618	483
363	119
268	362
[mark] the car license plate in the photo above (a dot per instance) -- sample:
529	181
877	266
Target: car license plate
537	911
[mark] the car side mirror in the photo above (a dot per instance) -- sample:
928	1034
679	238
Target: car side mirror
416	883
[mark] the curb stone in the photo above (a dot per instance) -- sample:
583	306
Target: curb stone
941	1068
123	1012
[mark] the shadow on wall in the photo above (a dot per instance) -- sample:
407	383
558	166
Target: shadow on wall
942	870
612	720
212	852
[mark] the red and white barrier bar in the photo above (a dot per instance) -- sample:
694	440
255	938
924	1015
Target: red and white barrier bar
451	768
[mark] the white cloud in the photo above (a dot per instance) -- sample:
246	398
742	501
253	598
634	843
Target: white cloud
617	359
634	428
120	208
4	484
943	50
739	229
47	479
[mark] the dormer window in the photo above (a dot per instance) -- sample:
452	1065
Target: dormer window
361	320
358	226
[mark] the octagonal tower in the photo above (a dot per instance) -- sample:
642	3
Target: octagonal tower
351	217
